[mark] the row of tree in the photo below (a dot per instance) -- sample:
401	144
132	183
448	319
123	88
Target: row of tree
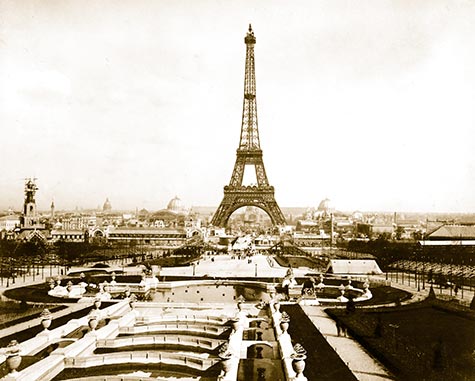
38	252
390	251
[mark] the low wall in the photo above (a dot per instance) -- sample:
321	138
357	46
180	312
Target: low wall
186	340
175	327
143	357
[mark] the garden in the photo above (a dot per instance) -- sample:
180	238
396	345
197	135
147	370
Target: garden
429	340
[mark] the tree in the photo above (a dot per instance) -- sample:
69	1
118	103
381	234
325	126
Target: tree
71	252
417	235
399	232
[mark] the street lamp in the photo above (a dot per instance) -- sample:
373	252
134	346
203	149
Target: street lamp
423	264
416	273
451	275
394	328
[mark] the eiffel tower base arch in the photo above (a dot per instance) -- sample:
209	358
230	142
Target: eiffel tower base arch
237	197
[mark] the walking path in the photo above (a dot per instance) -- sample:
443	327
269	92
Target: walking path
363	366
30	279
225	266
408	283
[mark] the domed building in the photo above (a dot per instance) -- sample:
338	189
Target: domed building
325	208
176	206
173	215
107	207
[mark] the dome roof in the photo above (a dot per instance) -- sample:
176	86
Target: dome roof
107	206
175	205
325	206
143	212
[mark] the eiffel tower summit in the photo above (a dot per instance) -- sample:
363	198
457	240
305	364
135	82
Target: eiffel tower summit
249	153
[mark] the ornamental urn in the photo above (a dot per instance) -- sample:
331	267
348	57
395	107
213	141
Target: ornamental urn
13	356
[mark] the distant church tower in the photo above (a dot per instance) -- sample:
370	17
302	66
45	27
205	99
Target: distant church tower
52	209
29	219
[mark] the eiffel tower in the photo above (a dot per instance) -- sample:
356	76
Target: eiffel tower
249	152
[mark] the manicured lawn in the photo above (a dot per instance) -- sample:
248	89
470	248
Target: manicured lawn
322	363
10	310
298	261
423	341
12	313
385	295
33	331
37	293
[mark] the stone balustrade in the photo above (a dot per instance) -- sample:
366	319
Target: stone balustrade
234	348
173	327
121	319
144	357
84	346
128	319
285	347
181	318
49	367
43	370
122	377
36	344
71	292
37	321
157	340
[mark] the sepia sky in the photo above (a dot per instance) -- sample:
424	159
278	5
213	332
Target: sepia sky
368	103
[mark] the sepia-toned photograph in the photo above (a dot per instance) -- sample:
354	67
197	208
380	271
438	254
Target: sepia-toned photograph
210	190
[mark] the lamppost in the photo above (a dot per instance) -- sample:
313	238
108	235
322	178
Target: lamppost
416	273
470	267
423	264
451	275
397	273
394	328
13	273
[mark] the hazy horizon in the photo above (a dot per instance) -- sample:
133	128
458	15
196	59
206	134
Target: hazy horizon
369	104
285	209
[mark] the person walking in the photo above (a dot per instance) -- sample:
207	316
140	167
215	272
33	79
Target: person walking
338	327
344	332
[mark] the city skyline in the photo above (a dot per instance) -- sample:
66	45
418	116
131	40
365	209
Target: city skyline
368	104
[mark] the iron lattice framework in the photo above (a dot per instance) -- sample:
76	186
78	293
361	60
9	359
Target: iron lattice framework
248	153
